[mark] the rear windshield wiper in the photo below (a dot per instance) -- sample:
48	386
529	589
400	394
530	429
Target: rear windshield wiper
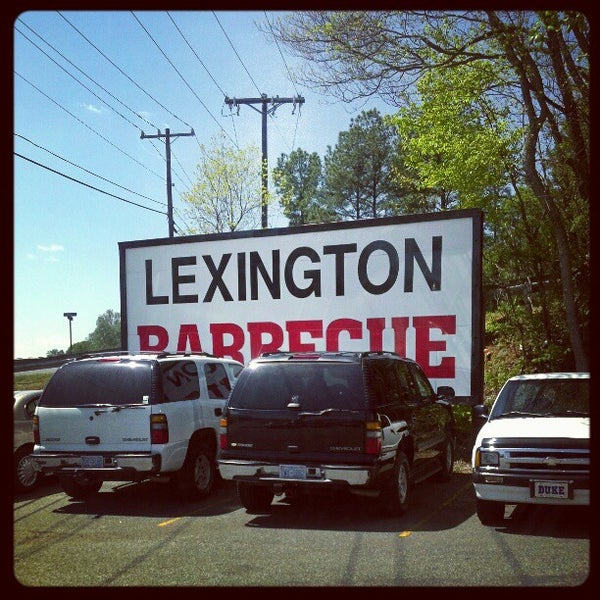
121	406
100	408
326	411
113	406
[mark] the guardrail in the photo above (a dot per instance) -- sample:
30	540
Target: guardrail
53	362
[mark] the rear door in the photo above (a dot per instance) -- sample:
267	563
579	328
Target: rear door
99	405
305	411
217	383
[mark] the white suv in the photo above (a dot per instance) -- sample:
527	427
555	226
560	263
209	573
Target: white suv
534	446
131	417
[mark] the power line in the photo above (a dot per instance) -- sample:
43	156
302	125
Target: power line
87	170
80	83
290	76
87	126
91	91
181	76
235	51
281	54
189	179
82	72
123	72
195	54
87	184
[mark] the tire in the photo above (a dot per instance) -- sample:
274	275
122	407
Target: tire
255	497
396	493
446	460
27	476
196	478
80	486
490	512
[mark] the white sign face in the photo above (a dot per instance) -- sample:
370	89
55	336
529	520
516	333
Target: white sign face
407	285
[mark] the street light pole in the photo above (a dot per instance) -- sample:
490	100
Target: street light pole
70	316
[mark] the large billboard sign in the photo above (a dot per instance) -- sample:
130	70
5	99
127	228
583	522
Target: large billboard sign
411	285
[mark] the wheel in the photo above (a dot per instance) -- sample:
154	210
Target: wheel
255	497
490	512
447	460
26	474
196	477
396	492
80	486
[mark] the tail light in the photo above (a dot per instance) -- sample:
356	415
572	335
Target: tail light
223	434
373	437
36	429
159	429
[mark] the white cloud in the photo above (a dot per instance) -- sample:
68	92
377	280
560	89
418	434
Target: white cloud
51	248
92	108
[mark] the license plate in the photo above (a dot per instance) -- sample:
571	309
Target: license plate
292	471
92	462
550	489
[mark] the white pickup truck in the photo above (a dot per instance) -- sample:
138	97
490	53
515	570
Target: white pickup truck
534	446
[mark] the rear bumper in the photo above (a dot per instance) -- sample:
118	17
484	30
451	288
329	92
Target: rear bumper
127	466
320	475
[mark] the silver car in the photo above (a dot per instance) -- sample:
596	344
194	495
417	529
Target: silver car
26	474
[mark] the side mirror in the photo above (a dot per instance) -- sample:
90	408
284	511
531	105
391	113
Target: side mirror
479	415
445	392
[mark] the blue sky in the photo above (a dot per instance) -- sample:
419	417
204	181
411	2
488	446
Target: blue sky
86	84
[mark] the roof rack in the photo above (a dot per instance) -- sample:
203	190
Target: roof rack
101	354
184	353
329	354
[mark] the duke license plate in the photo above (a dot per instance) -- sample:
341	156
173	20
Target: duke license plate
292	471
92	462
550	489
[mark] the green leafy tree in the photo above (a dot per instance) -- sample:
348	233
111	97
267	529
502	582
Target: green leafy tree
107	334
298	180
458	146
227	194
358	182
542	58
466	144
54	352
83	347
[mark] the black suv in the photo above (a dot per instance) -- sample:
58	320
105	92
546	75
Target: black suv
365	422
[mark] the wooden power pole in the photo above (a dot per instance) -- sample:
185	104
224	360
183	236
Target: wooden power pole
275	103
168	135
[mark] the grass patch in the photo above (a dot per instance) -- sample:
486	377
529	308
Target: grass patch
31	380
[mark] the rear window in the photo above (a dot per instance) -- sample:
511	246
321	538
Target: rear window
310	385
92	383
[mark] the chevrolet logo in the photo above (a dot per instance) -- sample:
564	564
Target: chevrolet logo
550	461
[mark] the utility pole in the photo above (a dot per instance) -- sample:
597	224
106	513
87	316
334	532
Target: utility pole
275	102
168	135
